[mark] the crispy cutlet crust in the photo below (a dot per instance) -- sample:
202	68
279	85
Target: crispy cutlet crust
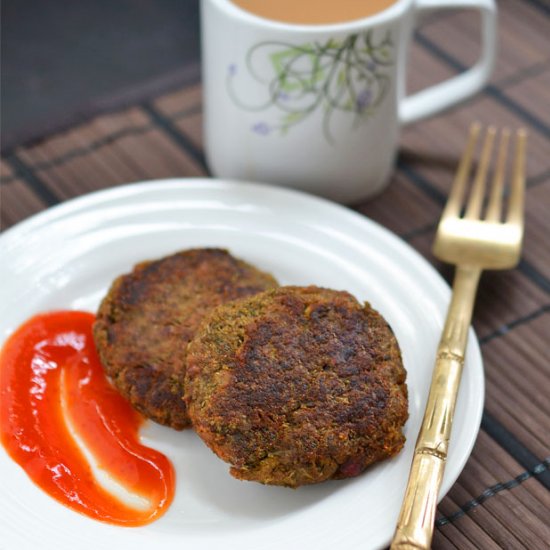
148	317
297	385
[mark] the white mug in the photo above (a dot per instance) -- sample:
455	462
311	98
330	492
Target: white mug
319	107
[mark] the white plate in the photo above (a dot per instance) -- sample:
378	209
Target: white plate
67	256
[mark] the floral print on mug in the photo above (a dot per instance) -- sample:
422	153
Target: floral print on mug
348	75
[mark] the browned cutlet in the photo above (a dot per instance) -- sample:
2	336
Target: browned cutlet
297	385
149	316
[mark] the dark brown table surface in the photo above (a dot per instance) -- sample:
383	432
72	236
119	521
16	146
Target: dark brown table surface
502	498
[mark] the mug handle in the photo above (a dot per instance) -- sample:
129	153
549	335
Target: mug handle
441	96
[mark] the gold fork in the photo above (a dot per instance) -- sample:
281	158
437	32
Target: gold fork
472	243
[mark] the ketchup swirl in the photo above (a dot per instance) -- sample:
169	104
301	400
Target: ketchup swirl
59	414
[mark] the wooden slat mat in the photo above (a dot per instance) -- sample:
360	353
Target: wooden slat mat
502	498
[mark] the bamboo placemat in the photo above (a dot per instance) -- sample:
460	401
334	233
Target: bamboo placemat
502	498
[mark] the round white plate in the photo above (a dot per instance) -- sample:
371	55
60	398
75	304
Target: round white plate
66	257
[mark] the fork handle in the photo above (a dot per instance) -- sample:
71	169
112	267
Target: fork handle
416	520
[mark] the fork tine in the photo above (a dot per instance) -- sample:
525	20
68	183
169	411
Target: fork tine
495	202
478	189
456	196
517	189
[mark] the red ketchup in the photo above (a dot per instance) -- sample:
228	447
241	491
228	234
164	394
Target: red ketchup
53	386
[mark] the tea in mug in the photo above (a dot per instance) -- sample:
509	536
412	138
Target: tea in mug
314	12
